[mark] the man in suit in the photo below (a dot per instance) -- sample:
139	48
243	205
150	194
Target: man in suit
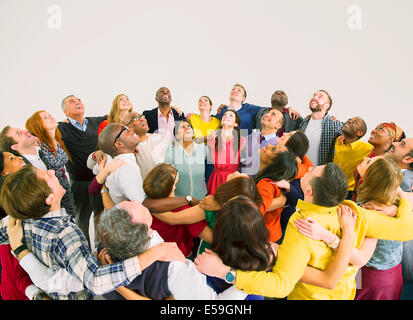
22	143
162	118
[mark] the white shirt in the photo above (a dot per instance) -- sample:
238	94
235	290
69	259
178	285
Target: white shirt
151	152
35	160
126	182
180	274
313	133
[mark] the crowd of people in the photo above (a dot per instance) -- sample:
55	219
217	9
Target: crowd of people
250	203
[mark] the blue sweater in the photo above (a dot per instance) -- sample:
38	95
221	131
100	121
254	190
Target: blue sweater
247	114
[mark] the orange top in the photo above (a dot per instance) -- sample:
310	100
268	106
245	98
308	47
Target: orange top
303	167
269	191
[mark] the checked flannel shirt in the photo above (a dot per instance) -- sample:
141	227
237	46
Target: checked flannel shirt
59	243
330	130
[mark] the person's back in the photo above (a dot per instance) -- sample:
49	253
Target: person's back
324	187
319	255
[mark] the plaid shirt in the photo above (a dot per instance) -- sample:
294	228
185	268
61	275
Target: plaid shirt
330	130
59	243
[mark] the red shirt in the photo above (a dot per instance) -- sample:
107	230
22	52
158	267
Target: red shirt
182	234
14	280
102	126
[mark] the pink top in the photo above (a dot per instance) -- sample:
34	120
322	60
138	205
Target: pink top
166	126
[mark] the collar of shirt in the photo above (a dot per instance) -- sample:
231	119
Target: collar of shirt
56	214
352	145
236	109
35	159
170	114
78	125
127	157
270	136
303	205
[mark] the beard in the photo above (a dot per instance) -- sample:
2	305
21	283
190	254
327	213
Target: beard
316	108
348	131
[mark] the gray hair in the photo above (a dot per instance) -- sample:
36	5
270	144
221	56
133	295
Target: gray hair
120	236
63	101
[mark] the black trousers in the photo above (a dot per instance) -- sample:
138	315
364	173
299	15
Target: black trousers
85	205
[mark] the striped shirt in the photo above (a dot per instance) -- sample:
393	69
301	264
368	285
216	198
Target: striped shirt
59	243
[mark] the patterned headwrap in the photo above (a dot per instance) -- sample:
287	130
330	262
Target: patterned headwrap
395	132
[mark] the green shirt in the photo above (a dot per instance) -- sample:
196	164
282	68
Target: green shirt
210	217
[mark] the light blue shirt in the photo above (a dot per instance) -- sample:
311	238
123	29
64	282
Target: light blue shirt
191	168
387	255
78	125
270	136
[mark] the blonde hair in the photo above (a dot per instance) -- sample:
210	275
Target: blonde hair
114	111
380	182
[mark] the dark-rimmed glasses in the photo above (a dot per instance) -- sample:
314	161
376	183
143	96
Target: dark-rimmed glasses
134	118
125	128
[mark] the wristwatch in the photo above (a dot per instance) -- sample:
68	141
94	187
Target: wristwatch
230	276
334	244
39	295
189	199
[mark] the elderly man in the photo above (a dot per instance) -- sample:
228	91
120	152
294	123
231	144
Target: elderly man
324	188
320	129
132	222
80	135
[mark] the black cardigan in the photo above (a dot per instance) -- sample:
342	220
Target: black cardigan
80	145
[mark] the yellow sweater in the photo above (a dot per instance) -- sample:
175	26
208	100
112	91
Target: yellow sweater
297	251
201	128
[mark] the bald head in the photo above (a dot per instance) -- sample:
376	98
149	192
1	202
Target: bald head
107	137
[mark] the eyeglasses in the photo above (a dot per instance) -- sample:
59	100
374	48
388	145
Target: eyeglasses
121	131
134	118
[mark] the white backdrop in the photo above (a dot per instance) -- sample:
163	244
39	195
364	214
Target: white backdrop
106	47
